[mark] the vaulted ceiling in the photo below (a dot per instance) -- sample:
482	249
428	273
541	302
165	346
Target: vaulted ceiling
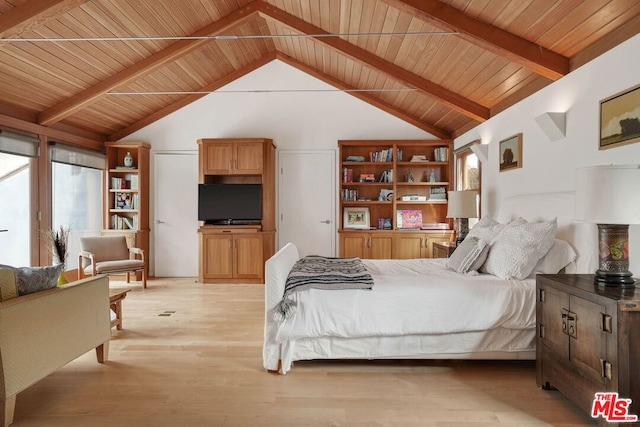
106	68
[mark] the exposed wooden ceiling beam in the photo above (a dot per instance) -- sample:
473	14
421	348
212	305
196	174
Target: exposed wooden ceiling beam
535	57
368	98
171	53
31	14
188	99
459	103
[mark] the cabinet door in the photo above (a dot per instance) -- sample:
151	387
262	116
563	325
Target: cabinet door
217	254
218	158
248	158
248	256
409	246
552	308
354	244
588	348
380	247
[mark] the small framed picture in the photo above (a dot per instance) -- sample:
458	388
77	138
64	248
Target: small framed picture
511	153
620	119
356	218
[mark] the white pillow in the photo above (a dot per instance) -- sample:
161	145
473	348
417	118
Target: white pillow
559	256
468	256
486	229
516	250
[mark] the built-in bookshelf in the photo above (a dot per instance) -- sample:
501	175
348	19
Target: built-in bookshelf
126	195
400	188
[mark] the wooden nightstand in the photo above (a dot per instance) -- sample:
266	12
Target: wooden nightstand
443	249
587	339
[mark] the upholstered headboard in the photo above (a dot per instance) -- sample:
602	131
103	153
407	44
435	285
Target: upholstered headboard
561	205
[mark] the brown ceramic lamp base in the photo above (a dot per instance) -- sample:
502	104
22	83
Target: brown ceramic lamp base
613	252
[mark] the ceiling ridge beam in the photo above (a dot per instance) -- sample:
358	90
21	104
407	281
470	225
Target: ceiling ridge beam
363	96
453	100
31	14
188	99
538	59
170	53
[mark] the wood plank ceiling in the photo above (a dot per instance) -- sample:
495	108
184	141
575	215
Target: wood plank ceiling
106	68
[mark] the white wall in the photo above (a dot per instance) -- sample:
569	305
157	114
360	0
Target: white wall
310	120
550	166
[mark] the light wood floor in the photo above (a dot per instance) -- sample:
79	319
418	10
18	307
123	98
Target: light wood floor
202	366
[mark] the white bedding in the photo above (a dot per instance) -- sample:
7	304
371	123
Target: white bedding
413	297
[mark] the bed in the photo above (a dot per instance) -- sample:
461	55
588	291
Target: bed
421	309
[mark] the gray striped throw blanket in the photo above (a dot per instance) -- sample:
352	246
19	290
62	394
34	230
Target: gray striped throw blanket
317	272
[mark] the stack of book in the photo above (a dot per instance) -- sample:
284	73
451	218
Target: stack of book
381	156
437	194
440	154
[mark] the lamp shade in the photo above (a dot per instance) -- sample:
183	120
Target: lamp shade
608	194
462	204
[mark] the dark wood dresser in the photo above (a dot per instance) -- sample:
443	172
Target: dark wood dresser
588	339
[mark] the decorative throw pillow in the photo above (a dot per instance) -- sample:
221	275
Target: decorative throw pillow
469	255
35	279
8	288
518	248
487	229
559	256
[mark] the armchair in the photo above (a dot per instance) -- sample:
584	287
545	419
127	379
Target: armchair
110	255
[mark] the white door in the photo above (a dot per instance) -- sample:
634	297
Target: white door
306	201
175	193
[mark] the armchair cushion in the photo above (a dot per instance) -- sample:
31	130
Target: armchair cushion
105	248
106	267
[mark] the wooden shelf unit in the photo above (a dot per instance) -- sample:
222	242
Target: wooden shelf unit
131	221
237	253
418	178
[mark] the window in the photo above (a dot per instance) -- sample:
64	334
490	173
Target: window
76	195
17	152
468	172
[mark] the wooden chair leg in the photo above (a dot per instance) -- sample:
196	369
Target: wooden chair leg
127	277
102	352
144	279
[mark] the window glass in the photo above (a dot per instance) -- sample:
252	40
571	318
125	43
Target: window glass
77	204
15	210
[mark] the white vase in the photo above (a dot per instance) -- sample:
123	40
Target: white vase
128	160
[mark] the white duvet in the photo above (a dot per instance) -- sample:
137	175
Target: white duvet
409	297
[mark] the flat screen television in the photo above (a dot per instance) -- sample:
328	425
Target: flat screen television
230	203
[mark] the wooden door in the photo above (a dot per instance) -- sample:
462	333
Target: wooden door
354	244
587	348
248	158
380	246
408	246
248	260
217	254
217	158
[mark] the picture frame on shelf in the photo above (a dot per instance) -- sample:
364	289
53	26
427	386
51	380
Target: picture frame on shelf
356	218
511	153
620	119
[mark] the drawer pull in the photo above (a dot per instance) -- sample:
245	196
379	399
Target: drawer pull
607	323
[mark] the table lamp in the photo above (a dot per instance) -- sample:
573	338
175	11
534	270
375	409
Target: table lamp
462	205
609	196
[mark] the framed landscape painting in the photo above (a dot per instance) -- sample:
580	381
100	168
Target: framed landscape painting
620	119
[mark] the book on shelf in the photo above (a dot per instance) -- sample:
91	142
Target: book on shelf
133	182
367	177
347	175
438	193
122	222
409	219
349	195
381	156
386	176
440	154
